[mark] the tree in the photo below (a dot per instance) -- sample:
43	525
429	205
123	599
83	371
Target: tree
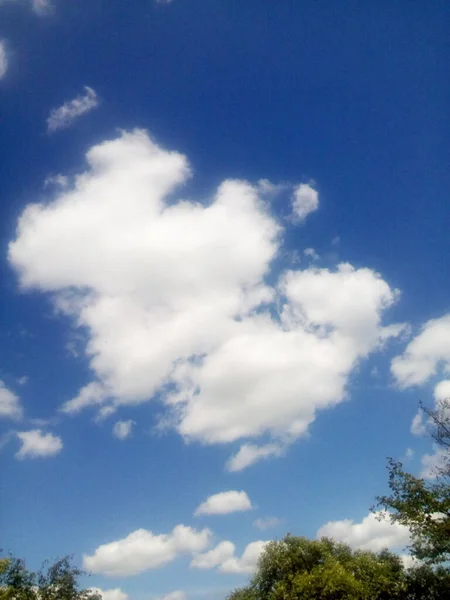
427	583
424	506
242	594
300	569
16	582
58	581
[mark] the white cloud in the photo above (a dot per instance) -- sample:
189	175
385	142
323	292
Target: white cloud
223	557
409	561
304	202
36	444
58	180
113	594
270	377
91	394
123	429
372	533
249	454
23	380
3	59
177	594
264	523
225	503
9	403
63	117
215	557
41	7
409	453
247	563
336	241
104	412
418	426
424	354
433	464
143	550
442	392
311	253
173	297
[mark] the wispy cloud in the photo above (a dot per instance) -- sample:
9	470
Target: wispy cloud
41	7
122	429
61	181
249	454
264	523
65	115
3	59
9	403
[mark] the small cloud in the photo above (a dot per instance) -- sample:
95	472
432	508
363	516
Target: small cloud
104	412
23	380
91	394
225	503
336	241
36	444
41	7
249	454
122	429
417	425
61	181
177	594
113	594
304	202
65	115
409	454
375	372
38	422
264	523
311	253
435	464
223	557
3	59
9	403
425	353
267	188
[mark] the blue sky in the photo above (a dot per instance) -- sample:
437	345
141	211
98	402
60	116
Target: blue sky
224	275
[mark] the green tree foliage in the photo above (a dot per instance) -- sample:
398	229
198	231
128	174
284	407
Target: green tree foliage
16	582
427	583
424	506
58	581
296	568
